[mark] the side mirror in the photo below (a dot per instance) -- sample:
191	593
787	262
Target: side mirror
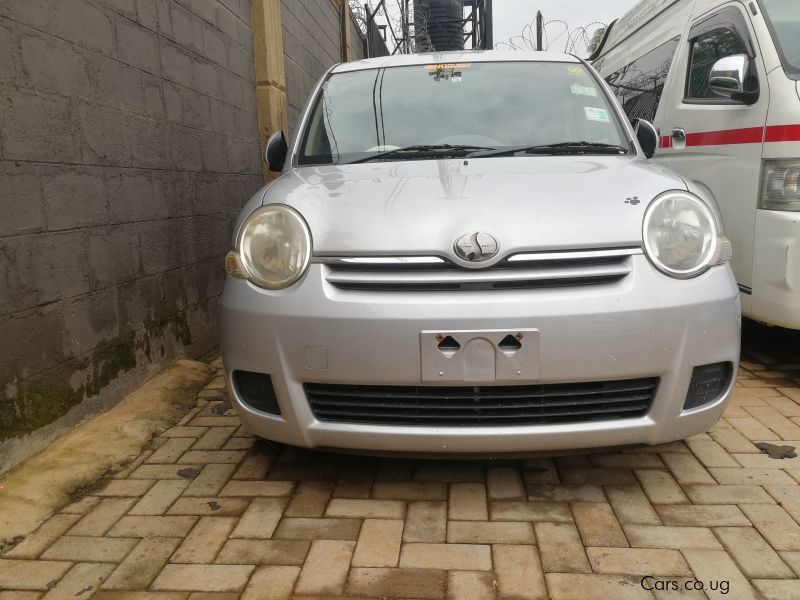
729	77
647	135
275	154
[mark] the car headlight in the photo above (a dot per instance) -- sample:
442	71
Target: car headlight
780	187
273	249
682	237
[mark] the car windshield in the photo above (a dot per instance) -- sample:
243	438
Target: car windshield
445	110
784	15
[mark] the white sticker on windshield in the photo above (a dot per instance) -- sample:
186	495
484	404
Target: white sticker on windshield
583	90
596	114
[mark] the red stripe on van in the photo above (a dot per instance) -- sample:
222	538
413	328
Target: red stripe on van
751	135
783	133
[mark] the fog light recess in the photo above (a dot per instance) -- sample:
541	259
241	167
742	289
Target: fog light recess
708	384
256	390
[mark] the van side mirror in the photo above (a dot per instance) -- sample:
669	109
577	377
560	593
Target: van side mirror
729	79
647	135
275	154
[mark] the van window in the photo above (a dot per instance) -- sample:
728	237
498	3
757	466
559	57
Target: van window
640	84
707	50
784	19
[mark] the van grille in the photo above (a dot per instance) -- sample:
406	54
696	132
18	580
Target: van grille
520	271
467	406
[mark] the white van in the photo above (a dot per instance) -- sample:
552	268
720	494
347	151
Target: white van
720	79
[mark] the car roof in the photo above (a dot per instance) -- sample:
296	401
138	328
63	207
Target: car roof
473	56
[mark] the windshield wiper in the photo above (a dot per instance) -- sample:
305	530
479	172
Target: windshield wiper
559	148
423	150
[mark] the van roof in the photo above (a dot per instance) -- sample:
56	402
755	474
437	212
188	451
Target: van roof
632	21
473	56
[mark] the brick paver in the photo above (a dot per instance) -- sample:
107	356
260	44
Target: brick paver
207	509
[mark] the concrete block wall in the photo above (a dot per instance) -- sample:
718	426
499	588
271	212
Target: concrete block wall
128	143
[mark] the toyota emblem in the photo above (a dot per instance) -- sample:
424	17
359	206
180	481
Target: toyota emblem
476	247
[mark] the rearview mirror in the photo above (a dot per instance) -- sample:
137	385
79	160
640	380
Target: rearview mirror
275	154
647	135
729	76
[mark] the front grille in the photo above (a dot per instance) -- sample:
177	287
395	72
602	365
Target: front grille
470	406
520	271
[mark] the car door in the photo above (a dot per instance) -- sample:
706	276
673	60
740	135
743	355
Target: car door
714	141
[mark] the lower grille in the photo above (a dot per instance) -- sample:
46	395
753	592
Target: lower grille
708	384
469	406
256	390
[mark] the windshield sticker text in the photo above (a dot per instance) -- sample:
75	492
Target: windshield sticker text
446	75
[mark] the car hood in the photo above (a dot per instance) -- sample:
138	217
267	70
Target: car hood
422	207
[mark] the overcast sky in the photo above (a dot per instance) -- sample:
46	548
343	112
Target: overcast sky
511	16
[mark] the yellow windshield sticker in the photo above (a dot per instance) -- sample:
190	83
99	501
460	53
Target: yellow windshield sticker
575	71
443	66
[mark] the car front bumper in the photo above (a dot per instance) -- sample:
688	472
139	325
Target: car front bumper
646	325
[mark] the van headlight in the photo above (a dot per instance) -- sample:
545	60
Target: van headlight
682	237
273	249
780	187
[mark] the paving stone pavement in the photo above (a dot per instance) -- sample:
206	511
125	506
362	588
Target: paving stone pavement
207	512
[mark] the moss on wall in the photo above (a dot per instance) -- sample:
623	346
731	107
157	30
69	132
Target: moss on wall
108	363
43	399
48	396
160	325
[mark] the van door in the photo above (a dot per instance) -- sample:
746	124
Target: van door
717	142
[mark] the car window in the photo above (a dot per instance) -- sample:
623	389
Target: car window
639	85
705	51
491	105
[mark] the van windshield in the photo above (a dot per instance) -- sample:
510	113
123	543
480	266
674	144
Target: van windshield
457	108
784	15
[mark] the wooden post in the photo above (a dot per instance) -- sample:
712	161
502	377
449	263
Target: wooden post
346	53
270	76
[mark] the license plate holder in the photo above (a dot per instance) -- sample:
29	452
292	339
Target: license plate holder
483	355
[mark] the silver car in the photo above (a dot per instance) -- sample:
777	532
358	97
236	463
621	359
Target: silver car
470	253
